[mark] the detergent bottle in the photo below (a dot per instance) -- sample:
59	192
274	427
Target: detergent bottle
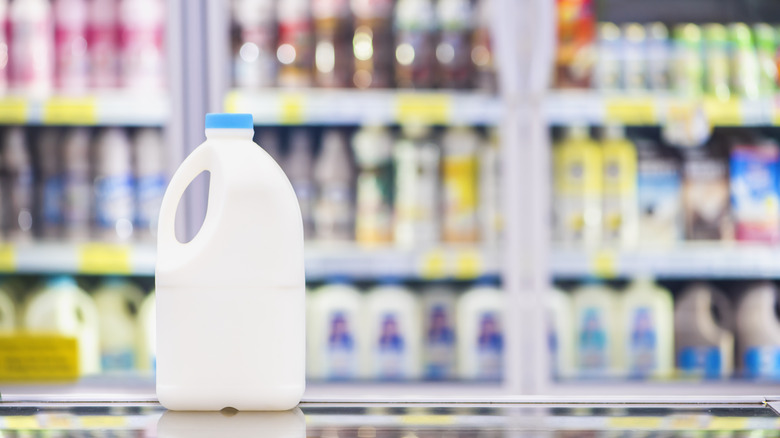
231	304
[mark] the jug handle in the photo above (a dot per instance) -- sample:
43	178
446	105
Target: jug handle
197	162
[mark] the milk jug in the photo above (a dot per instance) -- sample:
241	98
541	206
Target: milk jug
481	331
62	308
334	345
231	308
146	355
758	332
703	339
117	302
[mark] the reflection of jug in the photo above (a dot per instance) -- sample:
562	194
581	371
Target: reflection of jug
703	339
281	424
231	309
758	332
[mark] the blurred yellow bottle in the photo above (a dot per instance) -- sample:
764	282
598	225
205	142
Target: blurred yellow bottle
620	203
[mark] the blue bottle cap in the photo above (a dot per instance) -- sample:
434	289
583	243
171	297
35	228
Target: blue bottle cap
488	280
61	281
229	121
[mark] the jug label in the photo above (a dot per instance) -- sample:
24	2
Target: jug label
762	362
340	351
705	361
439	344
642	346
391	351
490	347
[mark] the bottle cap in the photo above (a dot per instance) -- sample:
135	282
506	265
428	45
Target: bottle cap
229	121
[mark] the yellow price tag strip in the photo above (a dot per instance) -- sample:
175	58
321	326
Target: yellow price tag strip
433	265
7	258
28	358
468	265
98	258
291	109
604	264
21	422
728	423
631	110
102	421
686	422
723	112
634	422
70	111
428	420
429	108
14	110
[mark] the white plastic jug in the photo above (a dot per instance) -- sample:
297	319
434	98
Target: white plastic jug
62	308
231	307
758	332
117	301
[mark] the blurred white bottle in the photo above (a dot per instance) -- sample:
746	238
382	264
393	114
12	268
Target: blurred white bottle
453	51
334	211
439	332
147	340
50	184
117	301
415	25
295	39
4	43
32	47
103	43
459	174
70	45
77	185
391	324
114	186
7	311
561	334
62	308
141	44
334	342
597	350
758	332
19	186
417	188
299	168
150	181
268	139
254	63
333	65
481	331
490	219
373	146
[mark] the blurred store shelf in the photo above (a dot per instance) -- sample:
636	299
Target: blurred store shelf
356	107
645	109
120	107
87	258
685	261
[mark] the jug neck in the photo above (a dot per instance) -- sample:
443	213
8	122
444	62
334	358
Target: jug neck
233	133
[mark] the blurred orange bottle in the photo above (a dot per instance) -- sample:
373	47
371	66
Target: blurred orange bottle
576	50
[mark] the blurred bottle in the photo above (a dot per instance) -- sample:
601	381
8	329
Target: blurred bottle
61	307
634	57
706	195
755	197
716	57
103	43
453	51
659	190
758	331
415	24
294	50
333	49
31	47
575	57
439	332
335	343
151	181
146	334
687	73
577	188
392	329
19	186
141	44
300	170
334	212
268	139
647	327
608	70
460	185
703	339
7	312
70	45
482	47
745	67
596	330
50	184
4	45
117	302
114	186
372	43
254	61
621	207
659	56
417	190
481	331
373	147
561	334
766	47
491	222
77	184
